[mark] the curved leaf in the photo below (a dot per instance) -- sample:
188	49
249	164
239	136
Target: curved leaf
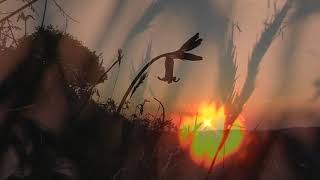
190	57
141	80
192	43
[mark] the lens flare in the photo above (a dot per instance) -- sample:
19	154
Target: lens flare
201	134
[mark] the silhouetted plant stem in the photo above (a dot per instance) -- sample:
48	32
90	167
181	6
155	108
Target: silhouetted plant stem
237	102
115	83
118	61
44	13
109	69
135	80
181	53
226	133
163	110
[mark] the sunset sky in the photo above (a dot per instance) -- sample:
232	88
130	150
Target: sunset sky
286	75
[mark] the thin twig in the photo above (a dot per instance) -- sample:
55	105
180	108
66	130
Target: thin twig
17	11
115	83
44	13
14	39
63	11
6	35
163	110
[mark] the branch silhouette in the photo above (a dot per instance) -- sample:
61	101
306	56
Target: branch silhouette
17	11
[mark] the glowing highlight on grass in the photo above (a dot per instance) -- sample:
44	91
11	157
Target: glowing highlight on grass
201	135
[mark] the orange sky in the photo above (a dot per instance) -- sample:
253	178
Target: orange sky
175	23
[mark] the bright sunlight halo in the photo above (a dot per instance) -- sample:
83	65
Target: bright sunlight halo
201	134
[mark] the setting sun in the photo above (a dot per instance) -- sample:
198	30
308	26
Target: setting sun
201	134
211	117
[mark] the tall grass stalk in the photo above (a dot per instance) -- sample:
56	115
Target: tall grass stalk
237	101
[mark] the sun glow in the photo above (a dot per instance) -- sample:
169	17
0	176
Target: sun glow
201	134
211	117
